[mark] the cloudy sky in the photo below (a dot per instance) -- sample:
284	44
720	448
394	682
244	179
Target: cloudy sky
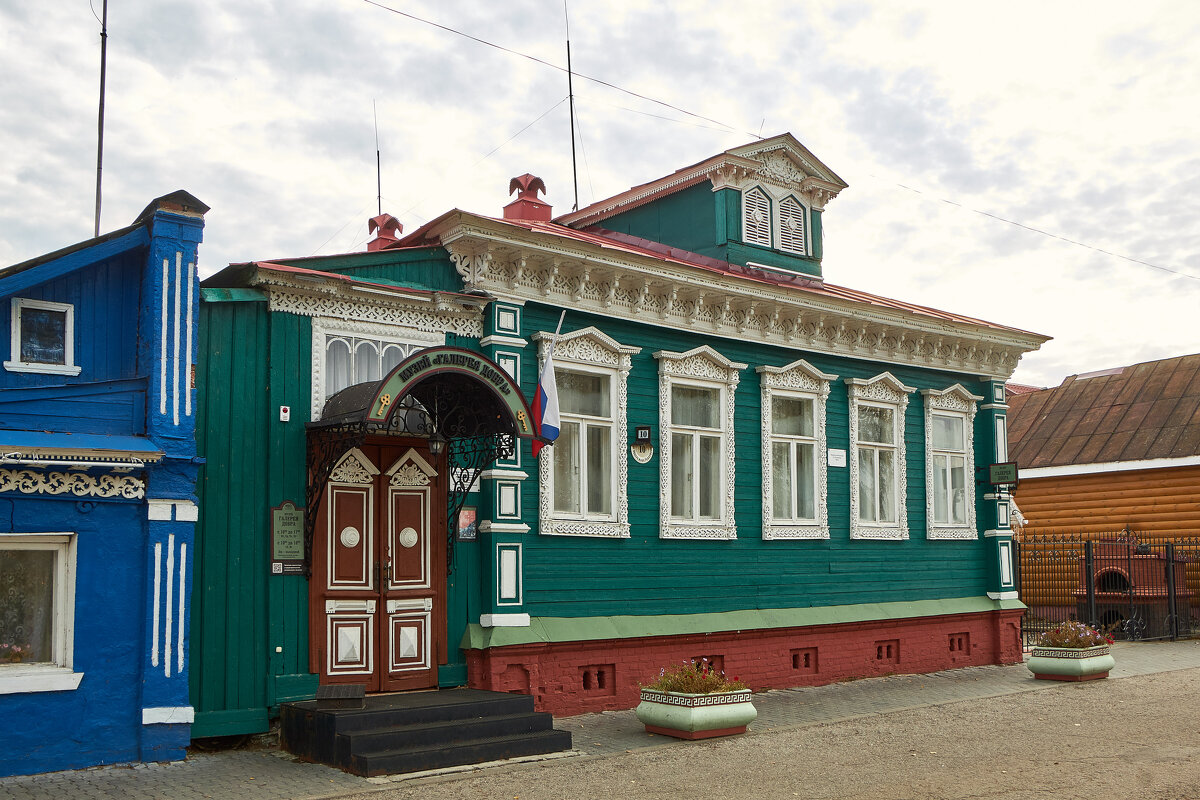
946	119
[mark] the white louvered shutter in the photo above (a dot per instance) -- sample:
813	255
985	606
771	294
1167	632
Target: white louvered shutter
756	217
791	226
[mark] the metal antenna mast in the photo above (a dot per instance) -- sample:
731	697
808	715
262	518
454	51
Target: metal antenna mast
571	97
378	170
100	123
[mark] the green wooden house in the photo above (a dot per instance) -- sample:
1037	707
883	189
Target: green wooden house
755	466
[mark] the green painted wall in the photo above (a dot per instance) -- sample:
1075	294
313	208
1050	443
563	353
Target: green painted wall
686	219
569	576
417	267
251	362
710	223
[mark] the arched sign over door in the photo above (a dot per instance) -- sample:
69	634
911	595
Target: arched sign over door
419	367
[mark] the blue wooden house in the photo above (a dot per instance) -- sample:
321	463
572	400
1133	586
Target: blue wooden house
97	495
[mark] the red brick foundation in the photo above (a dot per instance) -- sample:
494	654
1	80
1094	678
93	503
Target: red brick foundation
577	677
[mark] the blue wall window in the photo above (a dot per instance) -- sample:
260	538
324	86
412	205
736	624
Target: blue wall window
43	337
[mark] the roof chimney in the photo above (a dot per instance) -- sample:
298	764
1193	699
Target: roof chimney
385	227
527	205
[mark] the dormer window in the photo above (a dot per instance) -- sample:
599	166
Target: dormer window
779	221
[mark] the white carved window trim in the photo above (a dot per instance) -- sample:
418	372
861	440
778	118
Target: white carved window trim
325	328
56	675
882	390
756	216
590	350
15	364
701	366
802	380
958	402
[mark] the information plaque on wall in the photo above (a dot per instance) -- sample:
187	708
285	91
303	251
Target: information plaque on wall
287	539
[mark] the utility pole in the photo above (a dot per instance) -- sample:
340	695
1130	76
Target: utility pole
100	123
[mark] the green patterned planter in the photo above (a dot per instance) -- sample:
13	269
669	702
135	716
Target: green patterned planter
1070	664
695	716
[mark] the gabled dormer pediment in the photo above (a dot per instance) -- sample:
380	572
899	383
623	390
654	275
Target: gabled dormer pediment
757	205
784	163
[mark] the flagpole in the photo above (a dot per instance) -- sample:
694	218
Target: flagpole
543	403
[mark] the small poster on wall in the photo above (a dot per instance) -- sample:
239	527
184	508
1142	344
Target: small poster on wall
287	539
467	527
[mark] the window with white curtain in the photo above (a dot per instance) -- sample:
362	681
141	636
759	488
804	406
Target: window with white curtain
583	453
877	451
584	475
793	444
696	391
794	470
352	360
878	479
697	445
37	611
950	463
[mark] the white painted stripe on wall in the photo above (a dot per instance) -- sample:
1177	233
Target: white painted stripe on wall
187	372
162	353
170	617
157	585
178	320
182	595
1109	466
167	715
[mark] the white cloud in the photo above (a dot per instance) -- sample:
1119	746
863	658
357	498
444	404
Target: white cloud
1078	122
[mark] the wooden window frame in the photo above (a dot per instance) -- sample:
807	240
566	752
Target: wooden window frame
15	364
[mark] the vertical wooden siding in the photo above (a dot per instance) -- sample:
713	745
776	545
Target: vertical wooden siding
229	604
106	299
572	576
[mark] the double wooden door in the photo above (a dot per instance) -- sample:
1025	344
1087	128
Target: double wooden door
378	591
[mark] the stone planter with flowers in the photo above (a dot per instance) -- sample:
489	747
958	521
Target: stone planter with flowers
1071	651
695	701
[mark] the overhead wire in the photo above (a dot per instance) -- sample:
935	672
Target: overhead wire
545	63
728	127
1037	230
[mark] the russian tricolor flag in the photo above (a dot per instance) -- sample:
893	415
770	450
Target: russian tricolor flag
545	405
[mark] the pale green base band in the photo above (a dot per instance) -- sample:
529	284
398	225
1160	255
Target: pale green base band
545	630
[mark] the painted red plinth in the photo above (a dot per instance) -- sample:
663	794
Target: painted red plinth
693	735
576	677
1073	678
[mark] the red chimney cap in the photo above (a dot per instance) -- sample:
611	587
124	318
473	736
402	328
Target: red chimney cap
385	227
527	205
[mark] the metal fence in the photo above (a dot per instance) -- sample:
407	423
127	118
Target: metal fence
1132	589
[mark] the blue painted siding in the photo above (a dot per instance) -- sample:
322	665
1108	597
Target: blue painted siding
134	295
106	299
100	722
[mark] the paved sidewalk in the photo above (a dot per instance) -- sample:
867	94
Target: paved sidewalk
268	773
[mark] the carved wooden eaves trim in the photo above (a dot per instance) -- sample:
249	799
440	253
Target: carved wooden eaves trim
518	265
